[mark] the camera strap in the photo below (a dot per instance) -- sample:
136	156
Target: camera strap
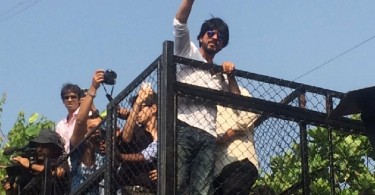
109	96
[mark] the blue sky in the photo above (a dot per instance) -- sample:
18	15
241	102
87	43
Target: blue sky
44	44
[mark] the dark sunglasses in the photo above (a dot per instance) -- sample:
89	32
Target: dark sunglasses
73	97
211	33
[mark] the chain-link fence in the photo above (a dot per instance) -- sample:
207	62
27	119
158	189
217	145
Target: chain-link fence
273	138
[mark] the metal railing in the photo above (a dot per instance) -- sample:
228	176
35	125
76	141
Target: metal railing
289	110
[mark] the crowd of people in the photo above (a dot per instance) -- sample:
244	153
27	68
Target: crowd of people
215	144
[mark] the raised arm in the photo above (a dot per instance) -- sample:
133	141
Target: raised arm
184	11
127	133
80	128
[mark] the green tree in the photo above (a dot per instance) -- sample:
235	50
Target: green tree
351	165
23	130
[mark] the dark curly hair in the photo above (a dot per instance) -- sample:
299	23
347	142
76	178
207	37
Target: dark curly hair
70	88
215	24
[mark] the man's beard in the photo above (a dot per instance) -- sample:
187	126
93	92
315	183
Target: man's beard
210	51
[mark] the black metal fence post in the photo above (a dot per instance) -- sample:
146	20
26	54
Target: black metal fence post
304	149
47	178
110	152
329	108
166	122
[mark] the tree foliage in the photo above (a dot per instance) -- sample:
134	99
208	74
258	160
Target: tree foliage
353	165
2	102
23	130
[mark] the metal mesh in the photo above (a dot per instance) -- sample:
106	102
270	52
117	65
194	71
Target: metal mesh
133	175
27	181
281	128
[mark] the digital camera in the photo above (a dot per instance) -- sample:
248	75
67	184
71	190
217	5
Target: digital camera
110	77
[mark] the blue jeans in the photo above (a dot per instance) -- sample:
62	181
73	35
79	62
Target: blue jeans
195	160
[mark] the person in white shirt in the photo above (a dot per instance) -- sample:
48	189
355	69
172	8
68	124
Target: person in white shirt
196	126
235	129
70	95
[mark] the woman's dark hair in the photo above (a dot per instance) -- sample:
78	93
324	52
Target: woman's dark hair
70	88
215	24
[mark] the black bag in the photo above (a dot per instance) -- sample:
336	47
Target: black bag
236	178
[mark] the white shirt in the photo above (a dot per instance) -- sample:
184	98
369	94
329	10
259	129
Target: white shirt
243	146
65	129
194	113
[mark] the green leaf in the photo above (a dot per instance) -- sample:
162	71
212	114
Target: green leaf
32	131
33	118
103	114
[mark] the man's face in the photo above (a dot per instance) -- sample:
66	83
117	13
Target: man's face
212	41
45	150
145	114
71	101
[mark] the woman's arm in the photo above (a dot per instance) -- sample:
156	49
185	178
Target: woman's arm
127	133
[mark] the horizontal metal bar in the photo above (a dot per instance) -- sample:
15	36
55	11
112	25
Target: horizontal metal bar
271	109
259	77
